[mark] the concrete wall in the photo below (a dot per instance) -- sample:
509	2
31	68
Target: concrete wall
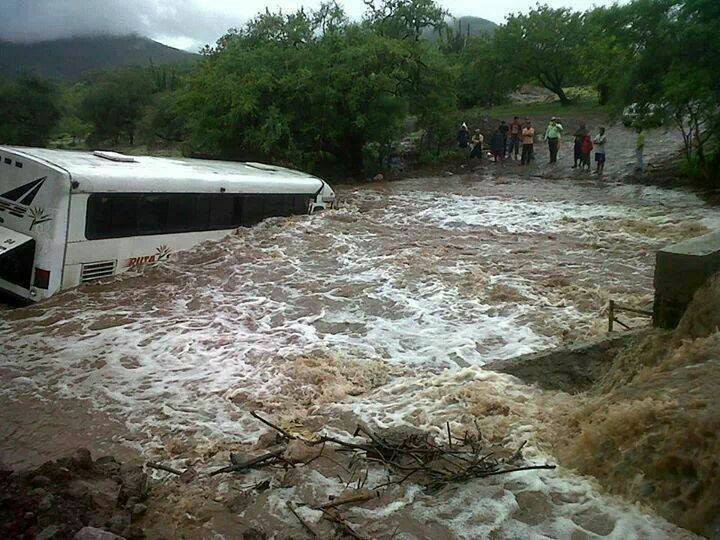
679	271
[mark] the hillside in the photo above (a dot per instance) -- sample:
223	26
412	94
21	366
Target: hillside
477	25
473	25
70	58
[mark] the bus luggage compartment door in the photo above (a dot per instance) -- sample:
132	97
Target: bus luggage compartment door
17	253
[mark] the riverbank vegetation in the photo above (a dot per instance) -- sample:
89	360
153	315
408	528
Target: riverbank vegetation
318	91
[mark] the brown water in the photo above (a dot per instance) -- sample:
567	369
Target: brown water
383	311
650	428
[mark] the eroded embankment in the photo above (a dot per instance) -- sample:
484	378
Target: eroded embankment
649	428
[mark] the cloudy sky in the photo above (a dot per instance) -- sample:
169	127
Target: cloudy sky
189	24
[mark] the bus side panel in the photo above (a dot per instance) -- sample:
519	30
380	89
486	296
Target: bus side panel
38	198
126	253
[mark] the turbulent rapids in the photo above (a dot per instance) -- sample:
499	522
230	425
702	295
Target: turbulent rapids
381	312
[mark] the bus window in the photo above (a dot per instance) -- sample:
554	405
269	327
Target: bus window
301	204
181	209
221	211
278	204
124	216
253	210
200	220
99	217
237	210
16	265
152	214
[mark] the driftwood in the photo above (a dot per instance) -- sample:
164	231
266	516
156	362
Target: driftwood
265	459
362	497
432	464
305	525
161	467
418	455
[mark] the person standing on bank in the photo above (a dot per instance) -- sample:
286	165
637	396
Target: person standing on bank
600	140
515	132
504	129
552	136
528	142
579	135
477	145
463	136
587	147
639	150
497	145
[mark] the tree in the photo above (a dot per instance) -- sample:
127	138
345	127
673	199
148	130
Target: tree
282	89
483	77
676	59
405	19
545	45
114	102
29	110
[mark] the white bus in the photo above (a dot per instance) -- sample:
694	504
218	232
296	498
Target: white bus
71	217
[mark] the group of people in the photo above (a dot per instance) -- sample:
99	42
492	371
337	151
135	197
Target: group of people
518	139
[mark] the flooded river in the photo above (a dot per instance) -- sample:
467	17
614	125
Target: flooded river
384	311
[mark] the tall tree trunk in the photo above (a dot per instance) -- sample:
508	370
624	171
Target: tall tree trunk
603	93
561	94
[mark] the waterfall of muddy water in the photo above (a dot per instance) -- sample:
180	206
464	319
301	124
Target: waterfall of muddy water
384	310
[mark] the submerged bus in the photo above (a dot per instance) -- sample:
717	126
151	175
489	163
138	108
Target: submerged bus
69	217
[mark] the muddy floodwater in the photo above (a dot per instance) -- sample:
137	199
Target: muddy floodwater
383	311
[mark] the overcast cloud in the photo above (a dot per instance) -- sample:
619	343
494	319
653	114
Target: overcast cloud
189	24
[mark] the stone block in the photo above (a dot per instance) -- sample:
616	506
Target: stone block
680	270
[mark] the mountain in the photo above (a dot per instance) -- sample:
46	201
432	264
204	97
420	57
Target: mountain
476	25
70	58
473	26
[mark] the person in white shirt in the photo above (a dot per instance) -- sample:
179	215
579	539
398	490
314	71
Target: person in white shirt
599	142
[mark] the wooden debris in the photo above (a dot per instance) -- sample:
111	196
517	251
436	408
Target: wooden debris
304	523
161	467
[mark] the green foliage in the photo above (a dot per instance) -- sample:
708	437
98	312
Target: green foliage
114	103
282	89
544	45
673	69
484	79
314	90
405	19
29	109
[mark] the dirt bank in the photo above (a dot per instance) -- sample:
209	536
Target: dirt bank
649	428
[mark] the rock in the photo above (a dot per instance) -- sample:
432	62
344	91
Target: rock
53	531
108	464
46	503
138	510
134	484
299	452
267	439
92	533
188	475
82	458
647	489
291	478
40	481
119	522
38	493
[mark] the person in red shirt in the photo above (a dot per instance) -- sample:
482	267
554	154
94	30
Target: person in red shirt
515	131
